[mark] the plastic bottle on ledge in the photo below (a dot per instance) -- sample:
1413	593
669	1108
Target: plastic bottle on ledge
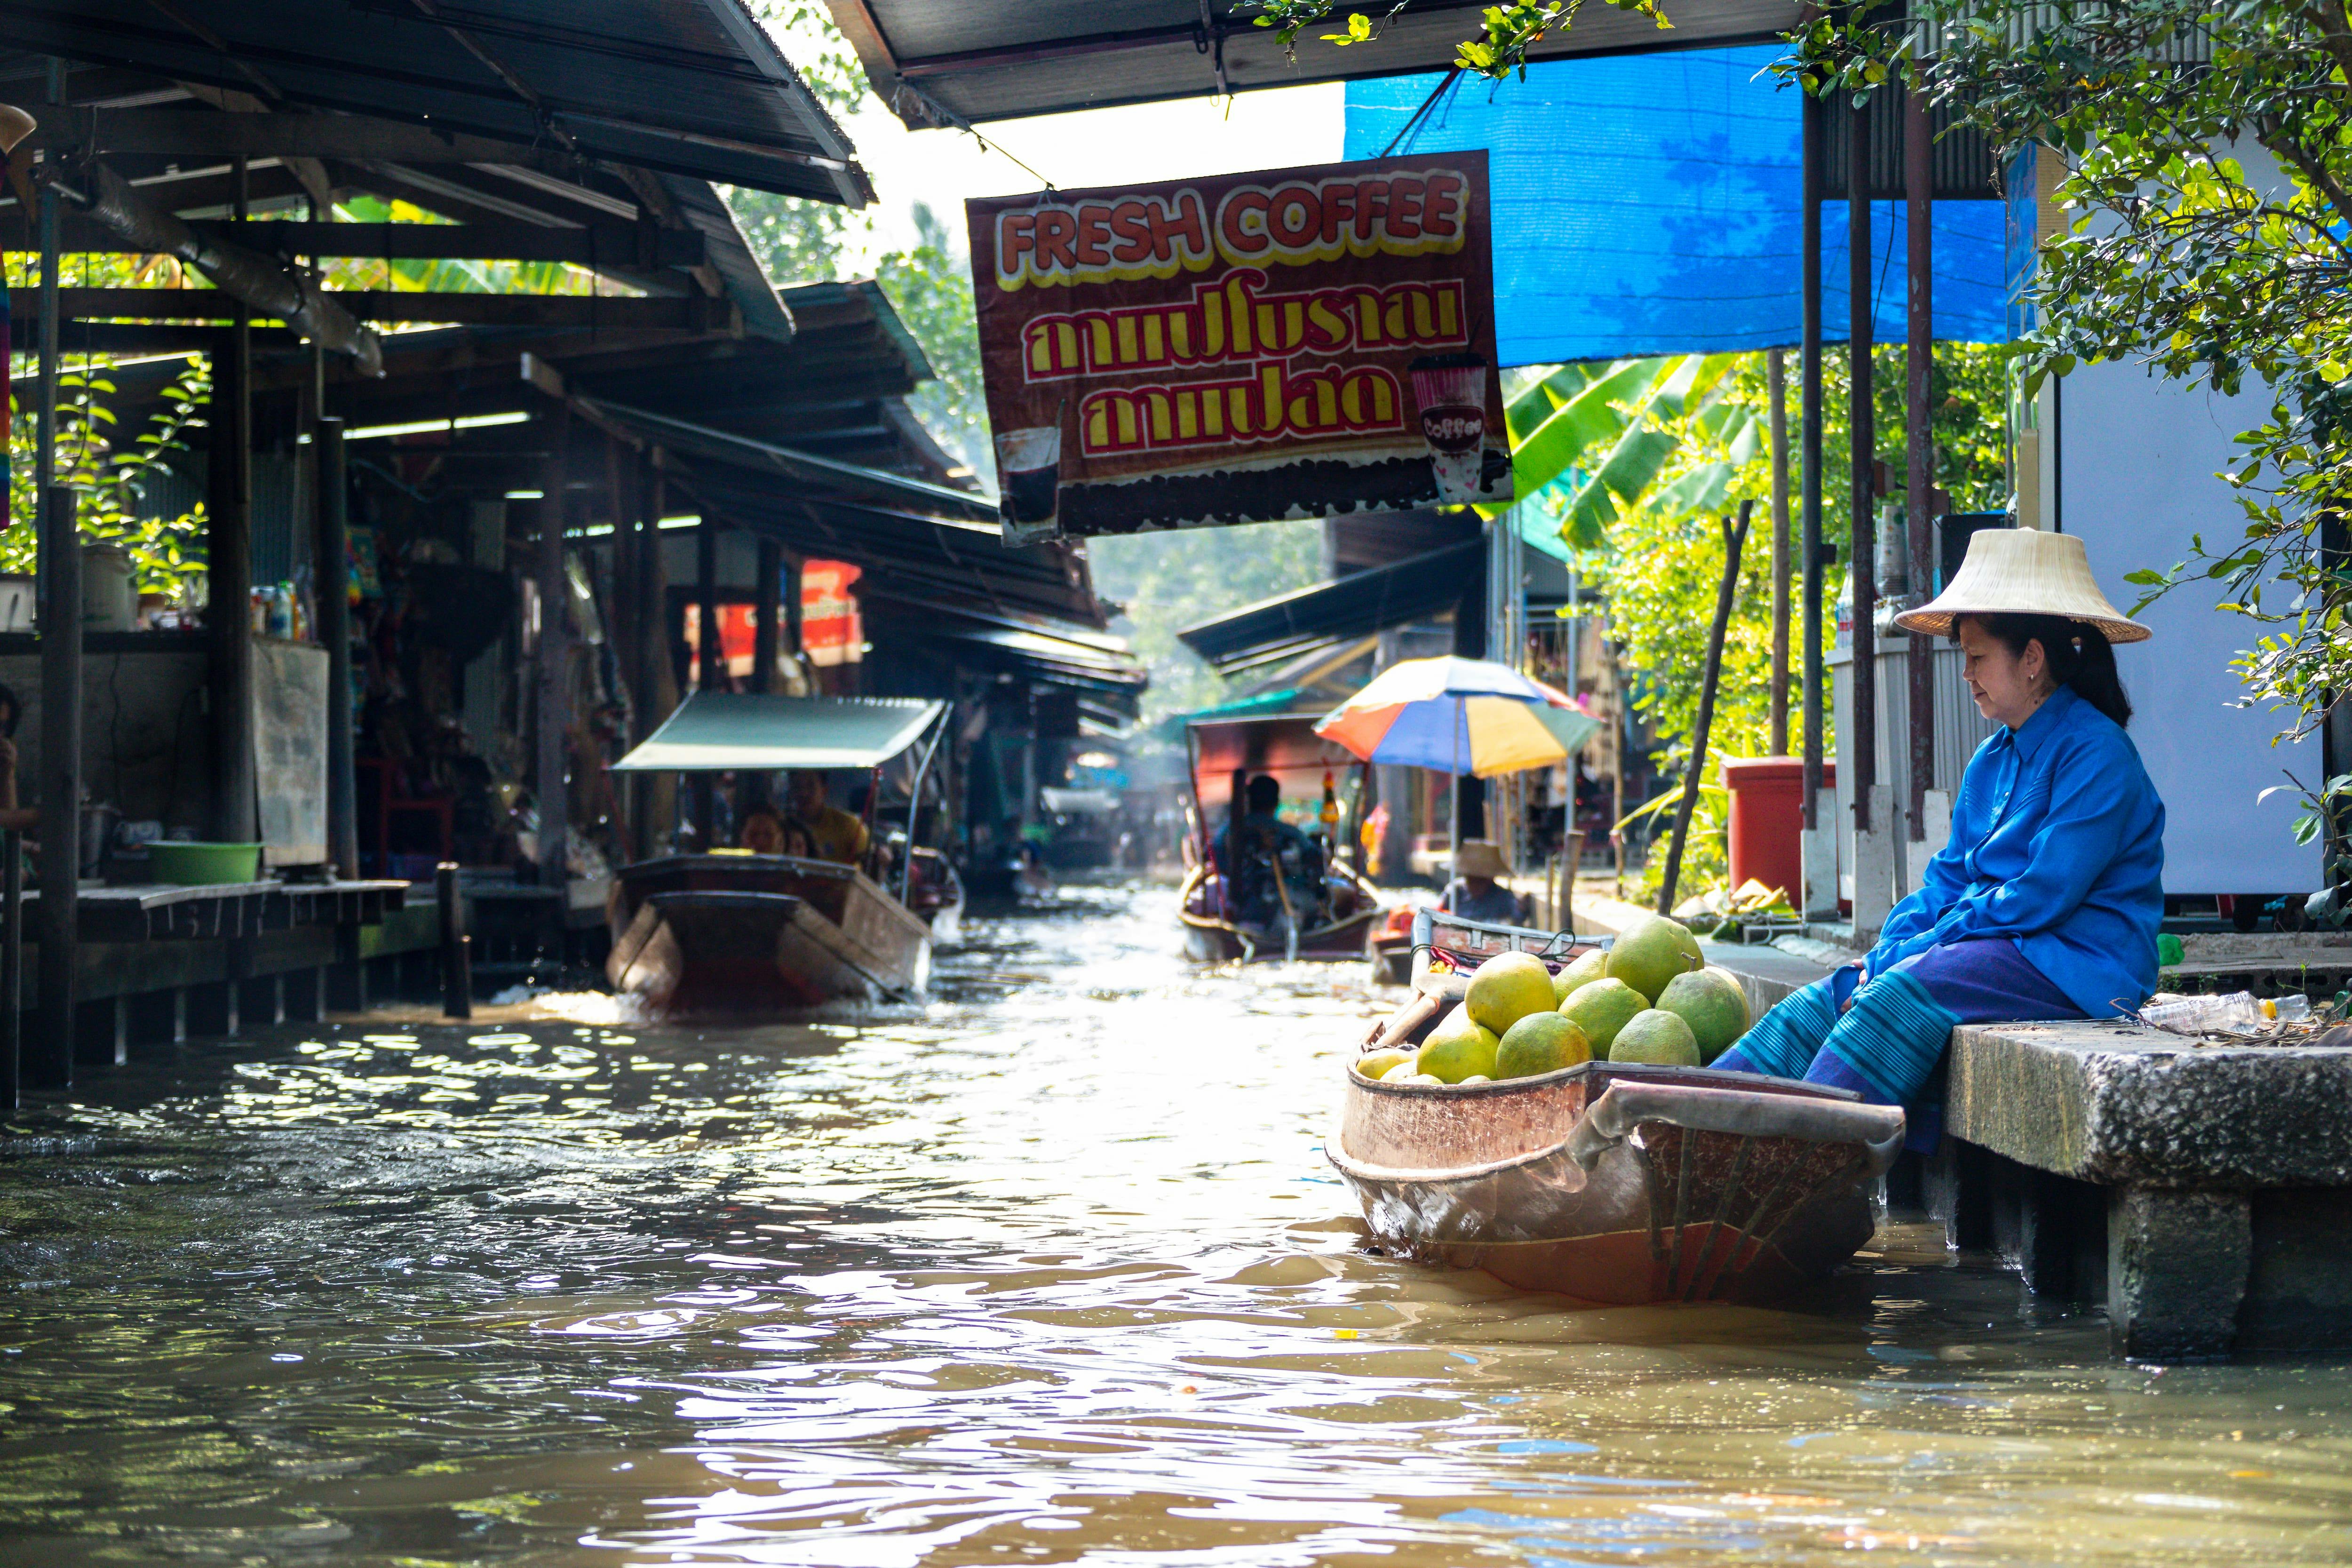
2236	1012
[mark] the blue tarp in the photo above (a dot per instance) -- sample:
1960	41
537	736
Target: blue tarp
1649	204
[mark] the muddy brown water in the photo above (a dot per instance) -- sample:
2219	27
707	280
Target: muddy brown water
1050	1270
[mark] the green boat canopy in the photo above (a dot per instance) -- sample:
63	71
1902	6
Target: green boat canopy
755	732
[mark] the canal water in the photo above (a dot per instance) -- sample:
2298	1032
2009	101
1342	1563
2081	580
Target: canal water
1051	1269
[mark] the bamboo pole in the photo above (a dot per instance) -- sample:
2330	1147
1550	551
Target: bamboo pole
1734	537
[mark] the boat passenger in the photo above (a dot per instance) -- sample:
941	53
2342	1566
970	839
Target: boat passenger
763	831
2044	902
1475	894
1266	843
839	836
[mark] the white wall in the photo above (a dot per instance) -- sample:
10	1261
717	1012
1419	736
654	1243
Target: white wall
2137	459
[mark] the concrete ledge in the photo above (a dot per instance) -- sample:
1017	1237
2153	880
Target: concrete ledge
2121	1105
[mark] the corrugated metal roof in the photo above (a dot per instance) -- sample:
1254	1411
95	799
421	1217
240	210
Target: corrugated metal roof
1418	589
938	62
685	86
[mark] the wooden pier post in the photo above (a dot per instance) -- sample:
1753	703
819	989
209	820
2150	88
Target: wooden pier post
12	966
228	571
457	961
59	789
332	577
1919	443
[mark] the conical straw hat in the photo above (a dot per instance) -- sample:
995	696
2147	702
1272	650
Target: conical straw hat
2023	572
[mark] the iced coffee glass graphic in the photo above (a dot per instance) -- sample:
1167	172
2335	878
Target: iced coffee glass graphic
1451	390
1029	474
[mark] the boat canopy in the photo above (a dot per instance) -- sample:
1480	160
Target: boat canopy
1283	745
758	733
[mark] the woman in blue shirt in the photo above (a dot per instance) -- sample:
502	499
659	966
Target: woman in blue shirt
2044	902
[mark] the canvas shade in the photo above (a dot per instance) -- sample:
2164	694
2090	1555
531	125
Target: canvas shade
715	730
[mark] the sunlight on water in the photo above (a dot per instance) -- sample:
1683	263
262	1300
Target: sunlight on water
1048	1267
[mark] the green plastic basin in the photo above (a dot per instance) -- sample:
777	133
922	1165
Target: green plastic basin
186	865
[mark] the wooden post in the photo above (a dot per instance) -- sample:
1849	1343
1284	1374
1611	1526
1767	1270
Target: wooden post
1861	554
649	656
1808	375
1776	376
12	966
1919	435
457	962
1734	537
228	570
553	687
332	577
711	668
59	796
767	602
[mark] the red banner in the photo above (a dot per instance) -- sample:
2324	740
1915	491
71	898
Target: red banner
1241	348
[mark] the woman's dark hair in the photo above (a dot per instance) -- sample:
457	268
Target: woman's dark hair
2076	653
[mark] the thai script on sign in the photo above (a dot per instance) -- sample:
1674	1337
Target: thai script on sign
1340	400
1235	321
1154	234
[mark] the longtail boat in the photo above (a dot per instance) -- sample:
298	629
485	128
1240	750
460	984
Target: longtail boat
1330	916
1614	1182
731	932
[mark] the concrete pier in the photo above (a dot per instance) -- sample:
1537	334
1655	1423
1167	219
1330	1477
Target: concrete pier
2202	1194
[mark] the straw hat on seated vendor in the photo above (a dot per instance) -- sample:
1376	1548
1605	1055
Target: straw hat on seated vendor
2045	901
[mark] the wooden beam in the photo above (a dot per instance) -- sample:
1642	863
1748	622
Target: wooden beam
207	134
604	245
691	314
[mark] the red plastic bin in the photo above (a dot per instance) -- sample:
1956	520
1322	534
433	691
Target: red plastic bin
1767	820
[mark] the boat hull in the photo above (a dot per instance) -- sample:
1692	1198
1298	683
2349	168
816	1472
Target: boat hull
1211	939
1616	1183
751	934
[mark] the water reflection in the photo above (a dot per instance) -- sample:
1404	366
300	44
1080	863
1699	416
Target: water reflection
1050	1269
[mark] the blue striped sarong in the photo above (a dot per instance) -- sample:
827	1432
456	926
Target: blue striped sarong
1883	1040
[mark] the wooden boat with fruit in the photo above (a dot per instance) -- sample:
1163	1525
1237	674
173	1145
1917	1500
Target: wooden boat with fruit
1611	1183
729	932
1251	910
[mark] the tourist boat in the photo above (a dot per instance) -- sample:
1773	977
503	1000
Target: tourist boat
1224	754
731	932
1611	1183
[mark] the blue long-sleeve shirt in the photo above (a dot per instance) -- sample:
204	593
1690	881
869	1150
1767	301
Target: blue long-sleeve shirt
2058	843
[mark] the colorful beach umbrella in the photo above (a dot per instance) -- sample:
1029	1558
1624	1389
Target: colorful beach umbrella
1459	716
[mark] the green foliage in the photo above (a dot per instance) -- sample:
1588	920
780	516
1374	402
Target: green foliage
1174	579
931	288
929	285
110	477
1498	50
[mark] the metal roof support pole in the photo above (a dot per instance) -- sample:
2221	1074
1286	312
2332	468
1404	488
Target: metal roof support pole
228	571
1808	375
1919	435
551	682
1776	378
710	666
1861	744
50	1063
766	601
333	580
648	650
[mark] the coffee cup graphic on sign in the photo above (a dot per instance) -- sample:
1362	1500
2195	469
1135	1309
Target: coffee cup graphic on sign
1029	475
1451	392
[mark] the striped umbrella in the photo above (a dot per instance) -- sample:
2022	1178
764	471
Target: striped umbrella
1459	716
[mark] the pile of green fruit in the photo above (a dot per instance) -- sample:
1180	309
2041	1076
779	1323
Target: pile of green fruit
1650	996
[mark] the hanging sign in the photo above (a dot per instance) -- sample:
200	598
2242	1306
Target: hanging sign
1241	348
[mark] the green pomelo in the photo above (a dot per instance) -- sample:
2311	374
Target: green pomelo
1583	972
1712	1003
1600	1009
1458	1047
1376	1064
1473	1077
1540	1043
1506	988
1656	1036
1652	951
1687	940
